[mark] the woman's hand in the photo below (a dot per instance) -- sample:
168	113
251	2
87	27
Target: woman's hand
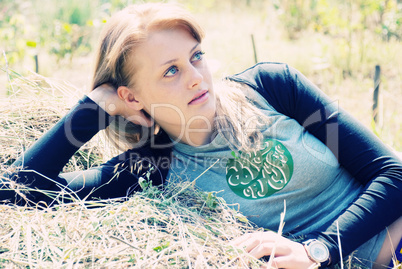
107	98
288	254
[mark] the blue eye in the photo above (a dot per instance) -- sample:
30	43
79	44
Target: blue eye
171	71
197	56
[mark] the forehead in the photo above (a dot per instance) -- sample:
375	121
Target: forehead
165	45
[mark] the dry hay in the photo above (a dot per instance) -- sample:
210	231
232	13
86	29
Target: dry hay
34	104
152	229
174	227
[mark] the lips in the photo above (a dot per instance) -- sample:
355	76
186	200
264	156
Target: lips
198	97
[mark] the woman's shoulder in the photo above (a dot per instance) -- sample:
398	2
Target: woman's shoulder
268	69
273	80
274	67
265	75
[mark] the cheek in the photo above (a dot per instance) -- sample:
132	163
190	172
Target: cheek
152	99
165	106
207	73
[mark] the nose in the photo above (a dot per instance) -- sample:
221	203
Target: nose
195	77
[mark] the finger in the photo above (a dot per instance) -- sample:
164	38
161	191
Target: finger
108	86
262	250
281	262
148	120
264	236
266	249
251	240
141	119
289	261
273	266
239	240
286	262
261	238
251	243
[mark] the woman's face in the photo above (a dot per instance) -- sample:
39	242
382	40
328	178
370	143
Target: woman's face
173	82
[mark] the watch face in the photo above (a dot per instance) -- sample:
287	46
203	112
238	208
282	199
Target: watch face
319	251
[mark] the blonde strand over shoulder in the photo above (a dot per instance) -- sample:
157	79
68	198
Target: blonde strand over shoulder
238	120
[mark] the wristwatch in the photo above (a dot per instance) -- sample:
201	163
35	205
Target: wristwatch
317	251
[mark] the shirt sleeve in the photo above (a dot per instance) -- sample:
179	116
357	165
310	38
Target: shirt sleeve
357	149
40	165
363	155
39	168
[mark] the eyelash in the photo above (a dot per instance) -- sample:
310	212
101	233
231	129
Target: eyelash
199	54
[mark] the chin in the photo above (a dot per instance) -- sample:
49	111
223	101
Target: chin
211	114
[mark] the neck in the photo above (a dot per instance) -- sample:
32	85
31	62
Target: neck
196	134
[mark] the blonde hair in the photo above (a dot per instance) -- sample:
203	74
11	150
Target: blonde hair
238	119
123	32
130	27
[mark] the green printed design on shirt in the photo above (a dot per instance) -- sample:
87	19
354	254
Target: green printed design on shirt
259	174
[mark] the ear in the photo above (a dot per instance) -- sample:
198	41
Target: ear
128	96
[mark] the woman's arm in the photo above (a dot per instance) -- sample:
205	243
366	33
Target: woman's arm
40	165
363	155
360	152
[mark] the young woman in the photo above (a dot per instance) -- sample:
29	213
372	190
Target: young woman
265	136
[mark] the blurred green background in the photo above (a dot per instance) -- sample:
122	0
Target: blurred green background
335	43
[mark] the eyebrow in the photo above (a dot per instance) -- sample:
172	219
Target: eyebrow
174	60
